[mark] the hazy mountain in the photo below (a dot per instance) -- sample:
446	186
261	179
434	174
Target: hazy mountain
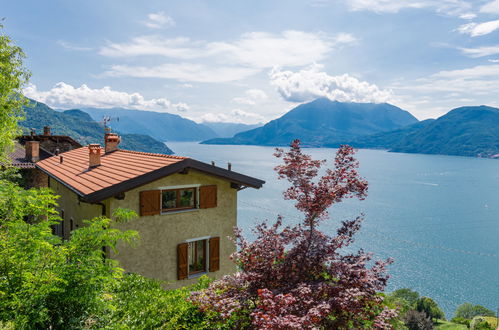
323	121
225	130
81	127
160	125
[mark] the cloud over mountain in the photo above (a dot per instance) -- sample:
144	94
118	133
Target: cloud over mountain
311	83
66	96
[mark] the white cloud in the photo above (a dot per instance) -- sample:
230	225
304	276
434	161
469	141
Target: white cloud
475	29
251	97
70	46
235	60
159	20
233	116
311	83
481	51
467	16
65	96
183	72
491	7
480	71
494	61
448	7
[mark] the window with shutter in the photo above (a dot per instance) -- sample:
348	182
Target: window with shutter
214	254
207	196
150	202
182	261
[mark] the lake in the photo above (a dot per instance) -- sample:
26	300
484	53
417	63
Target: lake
437	216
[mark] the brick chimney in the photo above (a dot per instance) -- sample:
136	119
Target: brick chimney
111	141
32	151
46	130
94	155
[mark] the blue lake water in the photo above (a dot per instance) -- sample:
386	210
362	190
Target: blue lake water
437	216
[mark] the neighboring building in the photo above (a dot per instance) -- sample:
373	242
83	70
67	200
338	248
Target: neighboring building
186	208
29	149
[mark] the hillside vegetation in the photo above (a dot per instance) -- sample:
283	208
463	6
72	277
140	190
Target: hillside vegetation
80	126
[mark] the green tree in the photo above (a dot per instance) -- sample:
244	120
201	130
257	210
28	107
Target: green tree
404	298
430	308
46	282
469	311
13	76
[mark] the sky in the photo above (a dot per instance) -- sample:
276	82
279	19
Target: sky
252	61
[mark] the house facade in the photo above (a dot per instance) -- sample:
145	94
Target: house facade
186	208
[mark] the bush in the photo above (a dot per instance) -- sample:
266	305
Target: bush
460	320
480	323
430	308
415	320
469	311
141	303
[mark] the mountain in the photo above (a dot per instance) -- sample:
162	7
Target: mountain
160	125
225	130
80	126
465	131
324	121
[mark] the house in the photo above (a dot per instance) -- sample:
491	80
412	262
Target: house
29	149
186	208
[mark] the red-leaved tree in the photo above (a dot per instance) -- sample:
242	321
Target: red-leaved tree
296	277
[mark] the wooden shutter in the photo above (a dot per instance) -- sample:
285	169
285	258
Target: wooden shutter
182	260
214	254
150	202
207	197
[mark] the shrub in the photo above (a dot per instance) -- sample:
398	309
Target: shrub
430	308
469	311
415	320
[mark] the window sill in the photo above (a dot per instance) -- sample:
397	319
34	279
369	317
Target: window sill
196	275
178	211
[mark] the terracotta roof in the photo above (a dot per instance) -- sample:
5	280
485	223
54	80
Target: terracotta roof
18	157
122	170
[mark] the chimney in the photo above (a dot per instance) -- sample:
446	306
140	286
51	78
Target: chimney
111	141
229	166
32	151
46	130
94	155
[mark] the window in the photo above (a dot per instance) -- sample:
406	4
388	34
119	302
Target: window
197	257
178	199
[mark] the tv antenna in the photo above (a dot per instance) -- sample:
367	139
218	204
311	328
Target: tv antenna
106	120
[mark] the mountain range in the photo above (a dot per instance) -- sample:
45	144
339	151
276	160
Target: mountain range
322	121
80	126
465	131
164	126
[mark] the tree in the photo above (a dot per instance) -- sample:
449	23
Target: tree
46	282
430	308
415	320
469	311
295	277
404	298
13	77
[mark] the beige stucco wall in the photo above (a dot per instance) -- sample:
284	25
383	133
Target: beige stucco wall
155	255
73	208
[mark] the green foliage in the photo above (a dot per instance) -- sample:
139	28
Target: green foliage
80	126
141	303
461	320
430	308
13	76
46	282
469	311
480	323
405	299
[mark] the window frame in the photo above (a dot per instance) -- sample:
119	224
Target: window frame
206	247
177	189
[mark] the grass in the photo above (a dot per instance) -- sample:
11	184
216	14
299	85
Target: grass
446	325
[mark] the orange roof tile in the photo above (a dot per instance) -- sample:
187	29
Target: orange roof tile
122	170
116	167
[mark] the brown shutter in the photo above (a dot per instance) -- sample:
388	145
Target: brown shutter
182	253
214	254
207	197
150	202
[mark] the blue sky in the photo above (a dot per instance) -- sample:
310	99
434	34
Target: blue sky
251	61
